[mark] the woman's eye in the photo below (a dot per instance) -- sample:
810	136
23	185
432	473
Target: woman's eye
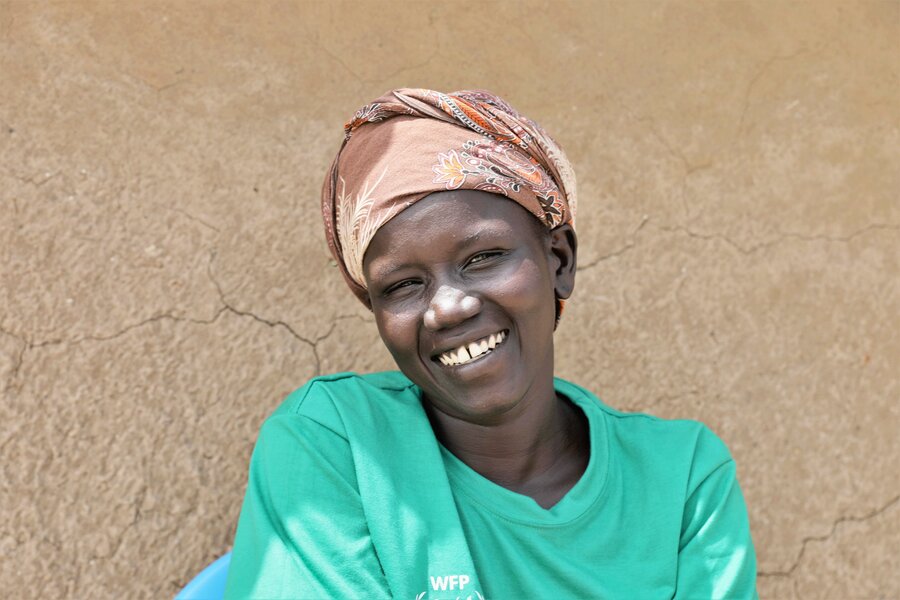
483	256
398	286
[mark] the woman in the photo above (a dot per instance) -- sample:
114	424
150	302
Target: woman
473	472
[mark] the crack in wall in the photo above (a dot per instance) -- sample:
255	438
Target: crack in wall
620	251
229	307
822	538
191	217
688	166
338	60
746	250
143	82
846	238
312	343
17	363
673	150
782	237
135	519
367	81
28	345
760	72
420	65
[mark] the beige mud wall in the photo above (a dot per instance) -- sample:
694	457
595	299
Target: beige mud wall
164	281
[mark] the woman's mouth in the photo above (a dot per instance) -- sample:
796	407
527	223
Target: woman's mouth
471	351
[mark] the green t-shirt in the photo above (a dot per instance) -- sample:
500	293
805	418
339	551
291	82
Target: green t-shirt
351	496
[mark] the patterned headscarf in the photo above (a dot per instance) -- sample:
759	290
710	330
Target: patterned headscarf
410	143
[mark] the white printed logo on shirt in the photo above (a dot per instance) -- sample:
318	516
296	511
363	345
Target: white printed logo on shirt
451	583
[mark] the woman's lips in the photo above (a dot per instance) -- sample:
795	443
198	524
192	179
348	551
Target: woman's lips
471	351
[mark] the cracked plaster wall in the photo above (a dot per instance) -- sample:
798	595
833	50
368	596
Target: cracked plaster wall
164	281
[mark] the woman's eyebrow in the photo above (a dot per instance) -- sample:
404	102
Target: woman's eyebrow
485	234
383	268
469	239
490	230
379	272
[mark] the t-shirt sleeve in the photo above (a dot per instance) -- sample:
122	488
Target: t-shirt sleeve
302	532
716	558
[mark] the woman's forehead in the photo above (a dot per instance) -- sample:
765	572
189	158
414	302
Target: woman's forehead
447	212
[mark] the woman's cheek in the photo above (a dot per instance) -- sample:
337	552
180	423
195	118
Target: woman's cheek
526	285
402	333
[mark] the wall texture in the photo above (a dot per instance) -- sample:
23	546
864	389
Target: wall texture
164	281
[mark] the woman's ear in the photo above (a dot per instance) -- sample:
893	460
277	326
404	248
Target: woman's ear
564	250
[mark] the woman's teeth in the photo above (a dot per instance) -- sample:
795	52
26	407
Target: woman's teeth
469	352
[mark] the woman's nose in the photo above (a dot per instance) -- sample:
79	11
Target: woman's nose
450	306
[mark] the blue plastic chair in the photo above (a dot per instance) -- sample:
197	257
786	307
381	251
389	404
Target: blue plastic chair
209	584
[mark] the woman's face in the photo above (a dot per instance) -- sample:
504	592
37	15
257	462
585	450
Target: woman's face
463	286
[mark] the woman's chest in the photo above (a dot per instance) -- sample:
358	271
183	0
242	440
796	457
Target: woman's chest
606	554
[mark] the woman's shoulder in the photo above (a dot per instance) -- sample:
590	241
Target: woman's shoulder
331	400
325	389
646	437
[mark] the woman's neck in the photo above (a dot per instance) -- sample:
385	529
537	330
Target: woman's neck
541	450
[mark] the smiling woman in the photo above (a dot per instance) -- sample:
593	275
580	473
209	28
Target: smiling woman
473	472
